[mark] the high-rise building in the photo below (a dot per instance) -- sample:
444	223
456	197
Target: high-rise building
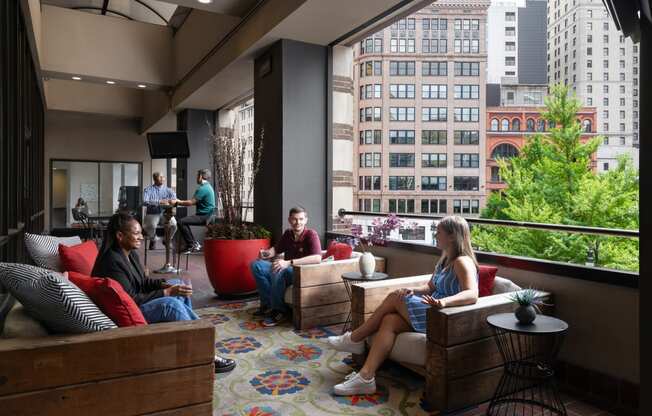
516	41
419	91
586	52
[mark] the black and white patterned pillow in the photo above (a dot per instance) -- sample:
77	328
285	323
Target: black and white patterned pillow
44	249
58	304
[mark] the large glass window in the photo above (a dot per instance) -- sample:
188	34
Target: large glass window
466	183
433	160
433	136
401	137
433	183
103	186
401	183
401	160
467	136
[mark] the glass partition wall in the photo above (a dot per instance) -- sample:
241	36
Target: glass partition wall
96	183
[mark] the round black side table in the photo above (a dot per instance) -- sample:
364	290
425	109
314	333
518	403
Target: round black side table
529	352
350	278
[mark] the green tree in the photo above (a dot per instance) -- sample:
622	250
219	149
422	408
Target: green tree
552	181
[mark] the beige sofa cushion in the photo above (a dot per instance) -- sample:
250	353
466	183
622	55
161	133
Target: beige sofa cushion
502	285
19	324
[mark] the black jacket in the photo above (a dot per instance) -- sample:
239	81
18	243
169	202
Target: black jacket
114	264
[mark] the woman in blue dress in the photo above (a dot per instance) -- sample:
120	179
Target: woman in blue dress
454	283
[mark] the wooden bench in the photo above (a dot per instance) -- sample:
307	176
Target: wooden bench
458	355
160	369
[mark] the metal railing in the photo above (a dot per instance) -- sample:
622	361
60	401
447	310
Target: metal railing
578	229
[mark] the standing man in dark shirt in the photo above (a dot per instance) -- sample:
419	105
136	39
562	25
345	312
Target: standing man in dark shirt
204	200
300	245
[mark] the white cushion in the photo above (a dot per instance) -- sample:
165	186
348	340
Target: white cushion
409	347
20	324
502	285
47	296
44	249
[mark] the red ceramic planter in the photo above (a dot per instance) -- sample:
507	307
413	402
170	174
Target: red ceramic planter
227	264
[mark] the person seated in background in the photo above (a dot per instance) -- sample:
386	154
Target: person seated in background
274	274
153	196
204	200
158	300
454	283
81	206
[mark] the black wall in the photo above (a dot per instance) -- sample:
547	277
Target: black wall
290	83
199	124
21	137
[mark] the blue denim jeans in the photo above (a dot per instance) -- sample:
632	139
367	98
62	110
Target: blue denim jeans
271	286
168	308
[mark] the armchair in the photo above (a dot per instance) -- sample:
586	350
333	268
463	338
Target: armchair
318	296
458	355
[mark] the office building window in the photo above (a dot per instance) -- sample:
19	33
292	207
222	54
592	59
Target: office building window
401	91
401	68
469	114
434	114
370	91
433	160
401	183
510	61
370	160
466	136
433	206
371	136
433	136
434	69
434	91
466	160
401	113
510	31
433	183
401	160
401	137
464	92
467	69
466	183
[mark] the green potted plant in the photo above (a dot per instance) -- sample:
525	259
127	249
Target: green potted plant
231	242
528	305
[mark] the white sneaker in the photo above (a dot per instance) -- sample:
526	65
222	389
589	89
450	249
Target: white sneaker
344	343
354	384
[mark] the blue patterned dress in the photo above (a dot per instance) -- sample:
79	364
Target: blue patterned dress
446	284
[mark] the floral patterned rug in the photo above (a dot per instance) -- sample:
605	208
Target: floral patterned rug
282	371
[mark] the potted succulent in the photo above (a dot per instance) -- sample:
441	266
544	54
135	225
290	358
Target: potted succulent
231	242
528	305
380	230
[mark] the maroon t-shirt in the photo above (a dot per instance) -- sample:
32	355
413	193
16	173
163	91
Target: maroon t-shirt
307	244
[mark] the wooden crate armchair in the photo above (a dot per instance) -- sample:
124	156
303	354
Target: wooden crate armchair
318	296
160	369
458	355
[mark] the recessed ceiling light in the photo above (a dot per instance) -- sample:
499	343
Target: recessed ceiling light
142	86
110	82
205	1
77	78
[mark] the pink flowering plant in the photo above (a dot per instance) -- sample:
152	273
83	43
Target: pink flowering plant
380	231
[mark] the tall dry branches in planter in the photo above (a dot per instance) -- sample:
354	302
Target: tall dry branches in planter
228	161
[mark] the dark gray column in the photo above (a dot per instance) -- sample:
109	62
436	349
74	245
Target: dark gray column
199	124
290	101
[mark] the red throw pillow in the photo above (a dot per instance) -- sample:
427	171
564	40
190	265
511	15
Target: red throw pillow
79	258
486	280
339	251
110	297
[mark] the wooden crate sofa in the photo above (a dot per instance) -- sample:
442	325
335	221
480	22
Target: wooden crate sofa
60	355
160	369
318	296
458	355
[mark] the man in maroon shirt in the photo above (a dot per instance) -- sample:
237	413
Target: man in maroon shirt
273	271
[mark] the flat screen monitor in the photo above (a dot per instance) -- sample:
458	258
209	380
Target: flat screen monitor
168	145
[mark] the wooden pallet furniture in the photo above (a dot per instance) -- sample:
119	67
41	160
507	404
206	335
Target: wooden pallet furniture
159	369
458	355
318	295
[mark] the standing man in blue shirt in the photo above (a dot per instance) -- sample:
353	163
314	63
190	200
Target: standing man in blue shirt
204	200
153	196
